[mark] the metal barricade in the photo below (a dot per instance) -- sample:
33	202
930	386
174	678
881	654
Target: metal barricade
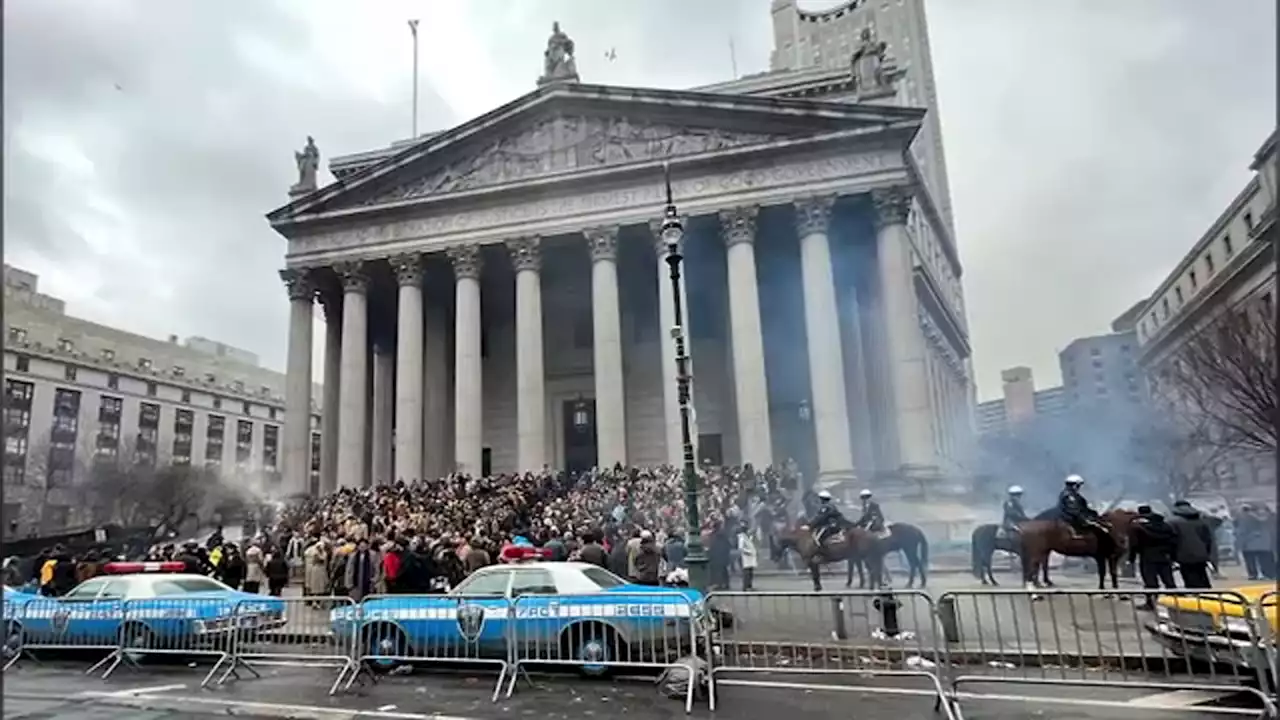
1267	617
46	624
293	632
853	633
603	632
185	627
390	630
1105	639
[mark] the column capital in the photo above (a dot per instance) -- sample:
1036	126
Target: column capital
813	214
603	243
353	274
408	268
739	224
298	282
526	253
892	205
466	261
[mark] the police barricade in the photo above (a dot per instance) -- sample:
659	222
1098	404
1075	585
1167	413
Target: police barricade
1266	614
181	627
1190	640
387	631
858	634
44	624
603	632
293	632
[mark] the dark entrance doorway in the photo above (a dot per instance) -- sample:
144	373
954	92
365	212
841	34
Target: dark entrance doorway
579	434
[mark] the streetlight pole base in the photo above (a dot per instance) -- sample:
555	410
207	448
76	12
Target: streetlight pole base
699	575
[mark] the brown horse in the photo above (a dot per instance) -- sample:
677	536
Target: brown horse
1039	538
854	544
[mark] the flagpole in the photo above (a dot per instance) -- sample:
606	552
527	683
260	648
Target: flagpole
413	28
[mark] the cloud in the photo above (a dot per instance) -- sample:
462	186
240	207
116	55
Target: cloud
1088	144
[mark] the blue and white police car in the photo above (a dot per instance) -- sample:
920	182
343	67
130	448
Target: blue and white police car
146	605
552	611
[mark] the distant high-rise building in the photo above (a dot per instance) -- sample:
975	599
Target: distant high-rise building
1100	372
1020	403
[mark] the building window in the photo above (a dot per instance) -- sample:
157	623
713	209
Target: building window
1226	244
315	463
271	413
69	372
1266	305
244	441
238	385
1248	220
108	354
1177	292
1208	263
113	381
151	389
186	397
17	429
148	433
17	335
217	403
270	446
214	439
183	425
248	409
62	438
1191	276
109	412
23	364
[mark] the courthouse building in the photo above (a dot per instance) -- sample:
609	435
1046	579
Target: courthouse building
496	297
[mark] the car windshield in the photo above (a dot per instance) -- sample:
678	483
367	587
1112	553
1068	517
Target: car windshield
603	578
490	583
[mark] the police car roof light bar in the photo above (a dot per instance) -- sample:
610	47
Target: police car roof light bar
518	553
121	568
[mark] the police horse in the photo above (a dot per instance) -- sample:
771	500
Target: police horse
847	544
907	539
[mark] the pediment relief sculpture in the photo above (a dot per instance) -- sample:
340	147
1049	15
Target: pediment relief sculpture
568	143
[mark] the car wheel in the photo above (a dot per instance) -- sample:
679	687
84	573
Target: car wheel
594	646
387	641
135	636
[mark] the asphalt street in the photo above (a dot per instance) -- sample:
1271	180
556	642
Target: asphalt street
62	693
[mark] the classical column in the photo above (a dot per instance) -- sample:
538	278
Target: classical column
437	460
384	400
611	409
352	402
297	408
822	328
904	343
667	321
409	379
531	393
331	301
468	402
751	391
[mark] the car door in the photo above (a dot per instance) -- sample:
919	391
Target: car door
100	622
64	621
480	613
538	617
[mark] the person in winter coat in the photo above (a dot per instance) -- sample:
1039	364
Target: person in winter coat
1196	546
747	551
231	569
315	573
276	569
364	571
1154	545
619	563
592	551
1256	536
254	573
675	551
647	561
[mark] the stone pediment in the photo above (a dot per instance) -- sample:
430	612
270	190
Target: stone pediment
567	143
560	131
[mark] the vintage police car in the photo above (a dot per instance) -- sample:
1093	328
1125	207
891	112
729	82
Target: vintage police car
150	606
562	612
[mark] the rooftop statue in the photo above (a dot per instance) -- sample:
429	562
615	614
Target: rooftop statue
558	64
308	164
873	70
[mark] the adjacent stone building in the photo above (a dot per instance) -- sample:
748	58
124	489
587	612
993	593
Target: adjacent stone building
78	391
496	298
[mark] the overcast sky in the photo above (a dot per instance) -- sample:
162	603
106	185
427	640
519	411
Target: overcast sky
1089	143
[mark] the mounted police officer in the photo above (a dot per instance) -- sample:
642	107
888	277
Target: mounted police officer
872	518
1013	512
1075	509
826	519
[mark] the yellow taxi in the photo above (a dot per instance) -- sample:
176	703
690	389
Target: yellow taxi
1217	627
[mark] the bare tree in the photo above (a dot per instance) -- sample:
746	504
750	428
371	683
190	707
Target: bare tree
133	490
1226	372
1180	451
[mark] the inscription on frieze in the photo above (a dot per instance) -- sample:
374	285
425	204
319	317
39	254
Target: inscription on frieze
652	195
568	143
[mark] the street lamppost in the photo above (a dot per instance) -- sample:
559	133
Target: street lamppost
672	233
